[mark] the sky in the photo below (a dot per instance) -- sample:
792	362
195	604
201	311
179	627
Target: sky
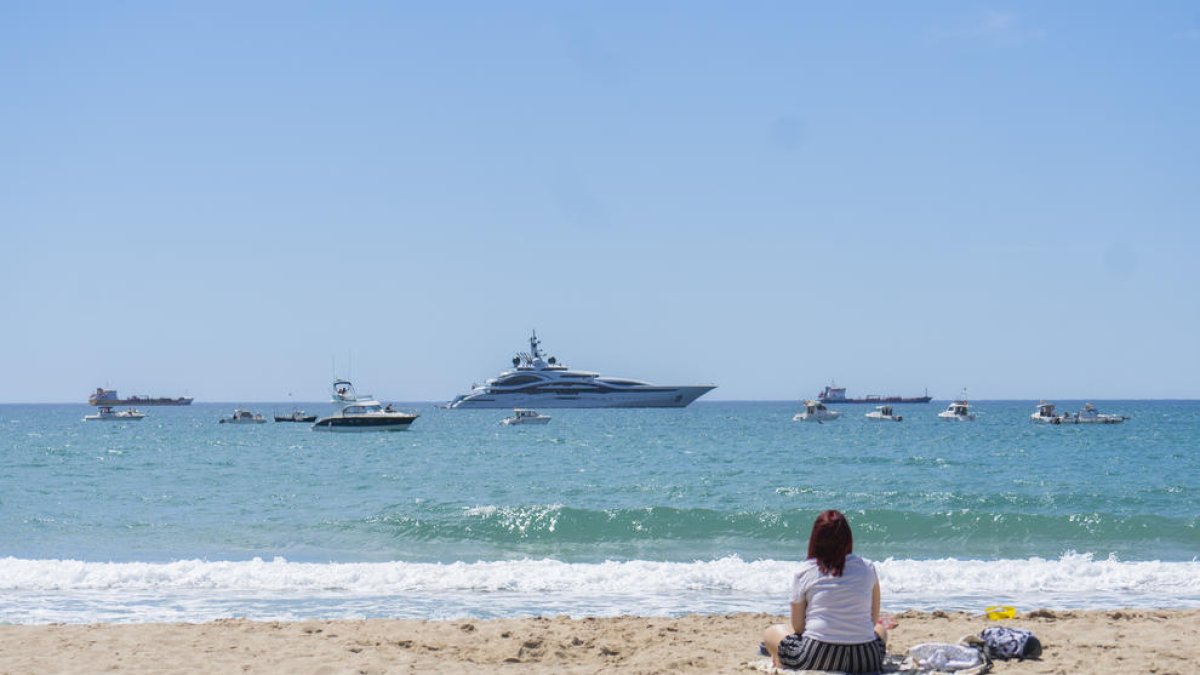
238	200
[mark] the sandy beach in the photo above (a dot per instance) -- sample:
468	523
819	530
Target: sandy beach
1116	641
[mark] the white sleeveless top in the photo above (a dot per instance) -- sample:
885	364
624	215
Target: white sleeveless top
838	609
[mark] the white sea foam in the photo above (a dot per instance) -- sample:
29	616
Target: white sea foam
38	591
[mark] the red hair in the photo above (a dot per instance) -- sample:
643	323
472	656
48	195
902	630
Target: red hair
830	542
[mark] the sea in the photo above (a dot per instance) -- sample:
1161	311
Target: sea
706	509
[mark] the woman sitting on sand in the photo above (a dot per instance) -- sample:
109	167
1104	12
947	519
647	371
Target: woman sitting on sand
835	607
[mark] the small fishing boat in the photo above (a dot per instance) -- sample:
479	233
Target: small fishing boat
959	409
815	411
525	416
1089	415
105	413
883	413
243	417
1045	414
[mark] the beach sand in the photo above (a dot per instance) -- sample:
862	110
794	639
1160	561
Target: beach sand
1117	641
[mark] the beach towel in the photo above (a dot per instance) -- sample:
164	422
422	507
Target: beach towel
948	658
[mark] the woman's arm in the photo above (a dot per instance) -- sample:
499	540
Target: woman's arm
875	603
799	610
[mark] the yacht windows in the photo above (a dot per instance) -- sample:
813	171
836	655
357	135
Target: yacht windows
519	379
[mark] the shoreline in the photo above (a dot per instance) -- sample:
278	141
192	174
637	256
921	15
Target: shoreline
1075	641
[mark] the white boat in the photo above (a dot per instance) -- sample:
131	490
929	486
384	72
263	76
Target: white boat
539	382
959	409
1089	415
240	416
883	413
525	416
105	413
1045	414
815	411
362	413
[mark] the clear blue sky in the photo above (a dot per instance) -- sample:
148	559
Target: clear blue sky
219	198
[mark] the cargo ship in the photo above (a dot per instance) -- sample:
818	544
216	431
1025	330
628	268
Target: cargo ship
836	394
110	397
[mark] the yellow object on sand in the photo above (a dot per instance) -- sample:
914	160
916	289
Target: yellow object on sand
998	612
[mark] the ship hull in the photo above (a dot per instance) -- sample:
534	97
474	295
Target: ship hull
652	397
138	401
877	400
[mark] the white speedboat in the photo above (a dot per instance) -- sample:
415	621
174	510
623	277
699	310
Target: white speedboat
525	416
240	416
538	382
105	413
1089	415
362	413
883	413
959	409
1045	414
815	411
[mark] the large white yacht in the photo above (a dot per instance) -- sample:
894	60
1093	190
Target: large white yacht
539	382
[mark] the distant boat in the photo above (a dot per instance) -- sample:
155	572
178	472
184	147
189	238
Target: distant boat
959	409
538	381
244	417
815	411
525	416
107	414
884	413
836	394
296	415
1087	415
1045	414
109	397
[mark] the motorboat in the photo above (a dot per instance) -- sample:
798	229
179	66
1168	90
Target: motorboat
362	413
296	415
883	413
525	416
1089	415
240	416
815	411
1045	414
543	382
105	413
959	409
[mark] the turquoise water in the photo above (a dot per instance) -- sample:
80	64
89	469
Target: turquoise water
601	511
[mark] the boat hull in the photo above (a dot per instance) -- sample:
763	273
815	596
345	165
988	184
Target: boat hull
655	397
365	423
307	419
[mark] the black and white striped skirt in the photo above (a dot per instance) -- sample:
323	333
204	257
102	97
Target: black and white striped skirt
800	652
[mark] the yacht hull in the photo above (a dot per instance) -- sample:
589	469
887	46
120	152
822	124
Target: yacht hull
363	423
655	397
